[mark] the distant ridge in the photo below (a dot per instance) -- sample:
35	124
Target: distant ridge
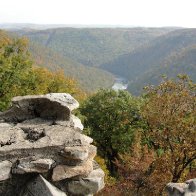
170	54
90	79
141	55
19	26
93	46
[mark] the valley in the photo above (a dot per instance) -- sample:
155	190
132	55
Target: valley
94	56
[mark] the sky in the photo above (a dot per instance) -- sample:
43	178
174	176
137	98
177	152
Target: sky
148	13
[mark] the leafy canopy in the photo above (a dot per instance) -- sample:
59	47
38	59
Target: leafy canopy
15	65
112	117
170	115
168	112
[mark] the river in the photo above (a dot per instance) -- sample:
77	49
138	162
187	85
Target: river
120	83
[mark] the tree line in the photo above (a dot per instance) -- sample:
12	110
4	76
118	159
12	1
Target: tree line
145	142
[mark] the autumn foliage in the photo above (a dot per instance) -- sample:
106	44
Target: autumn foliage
19	76
164	147
143	143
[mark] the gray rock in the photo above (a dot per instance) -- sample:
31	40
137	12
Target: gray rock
182	189
5	170
39	135
62	172
65	99
34	166
4	126
92	152
191	185
176	189
35	122
41	187
44	142
89	185
55	106
77	123
74	122
79	153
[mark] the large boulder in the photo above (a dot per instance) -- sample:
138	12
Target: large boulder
87	185
42	145
53	106
182	189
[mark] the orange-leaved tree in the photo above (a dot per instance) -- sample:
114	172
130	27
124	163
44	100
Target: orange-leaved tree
170	115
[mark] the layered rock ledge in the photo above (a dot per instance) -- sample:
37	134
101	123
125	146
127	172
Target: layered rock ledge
182	189
43	151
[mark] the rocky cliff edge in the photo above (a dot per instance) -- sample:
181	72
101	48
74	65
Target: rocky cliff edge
43	151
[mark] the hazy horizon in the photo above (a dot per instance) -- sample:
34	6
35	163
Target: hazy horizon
130	13
87	25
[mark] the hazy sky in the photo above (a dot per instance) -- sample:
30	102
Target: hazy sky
113	12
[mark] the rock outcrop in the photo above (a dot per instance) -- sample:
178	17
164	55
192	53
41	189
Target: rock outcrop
43	151
182	189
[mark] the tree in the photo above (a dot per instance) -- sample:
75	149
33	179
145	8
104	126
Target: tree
134	169
15	65
170	115
45	81
19	77
112	117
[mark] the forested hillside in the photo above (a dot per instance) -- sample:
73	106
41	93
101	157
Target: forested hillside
170	54
182	63
141	55
94	46
89	78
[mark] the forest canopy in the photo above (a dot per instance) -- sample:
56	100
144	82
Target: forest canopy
146	142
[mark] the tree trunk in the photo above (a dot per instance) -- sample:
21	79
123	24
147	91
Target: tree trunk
111	162
177	175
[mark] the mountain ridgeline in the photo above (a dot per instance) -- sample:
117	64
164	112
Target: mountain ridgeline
93	46
95	55
171	54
